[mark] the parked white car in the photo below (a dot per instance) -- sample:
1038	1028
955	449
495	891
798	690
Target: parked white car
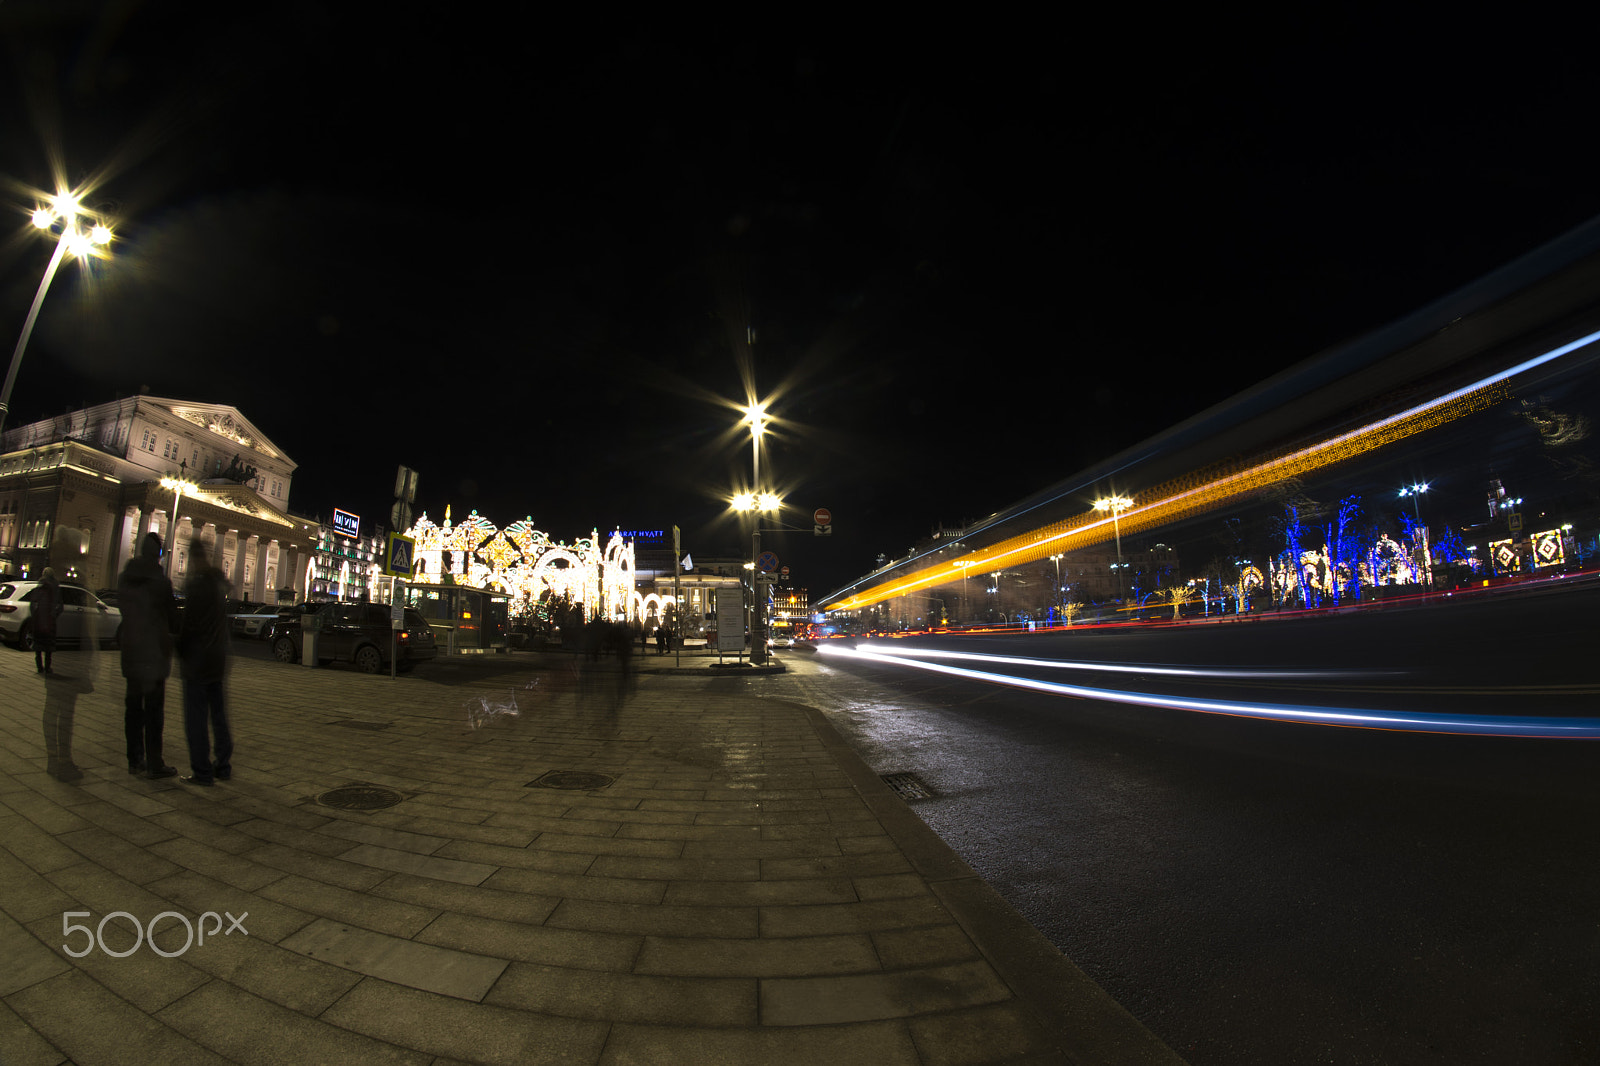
83	614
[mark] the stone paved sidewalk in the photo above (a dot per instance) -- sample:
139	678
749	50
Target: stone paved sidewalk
571	870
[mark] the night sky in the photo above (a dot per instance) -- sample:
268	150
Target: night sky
525	256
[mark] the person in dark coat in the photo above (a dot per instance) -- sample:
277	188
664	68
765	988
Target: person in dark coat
203	663
46	609
149	616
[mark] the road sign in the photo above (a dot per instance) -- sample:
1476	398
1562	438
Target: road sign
822	516
400	557
405	484
784	571
400	515
768	562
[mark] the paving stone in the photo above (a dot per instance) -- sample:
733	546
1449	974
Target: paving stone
462	873
473	1032
395	839
195	894
927	946
578	886
90	1024
334	871
444	896
701	955
579	949
30	959
866	917
21	1046
229	868
1002	1032
675	869
251	1030
405	962
38	849
25	895
364	909
867	997
760	893
122	958
623	997
715	921
878	1043
44	813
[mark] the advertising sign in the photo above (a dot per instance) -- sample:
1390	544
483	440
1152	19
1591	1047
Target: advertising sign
346	524
730	620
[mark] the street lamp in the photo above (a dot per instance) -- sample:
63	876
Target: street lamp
81	235
1057	560
1116	505
176	485
756	501
1415	491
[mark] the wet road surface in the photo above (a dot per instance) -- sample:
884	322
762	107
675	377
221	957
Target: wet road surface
1260	892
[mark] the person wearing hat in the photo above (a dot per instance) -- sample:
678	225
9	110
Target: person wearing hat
149	618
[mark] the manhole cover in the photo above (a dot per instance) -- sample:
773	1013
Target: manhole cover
908	786
360	798
571	780
354	723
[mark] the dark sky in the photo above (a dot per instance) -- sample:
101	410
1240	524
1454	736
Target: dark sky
523	255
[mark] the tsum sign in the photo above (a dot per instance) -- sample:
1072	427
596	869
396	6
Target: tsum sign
346	523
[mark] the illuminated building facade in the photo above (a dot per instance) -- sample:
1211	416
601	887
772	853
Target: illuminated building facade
343	567
79	491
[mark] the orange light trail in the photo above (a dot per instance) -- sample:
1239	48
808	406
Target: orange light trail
1193	494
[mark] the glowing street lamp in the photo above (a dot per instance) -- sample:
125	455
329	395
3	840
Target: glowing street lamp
1415	491
1057	560
756	502
176	485
82	235
1116	505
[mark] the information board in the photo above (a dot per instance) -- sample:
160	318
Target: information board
730	620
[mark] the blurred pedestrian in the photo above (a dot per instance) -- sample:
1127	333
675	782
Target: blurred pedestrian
149	617
46	609
203	663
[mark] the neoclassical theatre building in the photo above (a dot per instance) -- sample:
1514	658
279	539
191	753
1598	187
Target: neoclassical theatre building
78	492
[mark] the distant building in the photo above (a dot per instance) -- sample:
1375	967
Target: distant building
79	491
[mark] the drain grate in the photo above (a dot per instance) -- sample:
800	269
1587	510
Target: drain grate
908	786
571	780
360	798
356	723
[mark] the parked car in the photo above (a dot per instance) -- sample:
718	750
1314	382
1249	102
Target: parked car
357	633
258	621
83	614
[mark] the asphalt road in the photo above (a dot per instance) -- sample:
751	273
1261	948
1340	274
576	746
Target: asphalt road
1261	892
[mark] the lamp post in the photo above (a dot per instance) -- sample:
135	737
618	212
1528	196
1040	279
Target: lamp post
756	501
1419	554
65	209
1057	560
1116	505
177	485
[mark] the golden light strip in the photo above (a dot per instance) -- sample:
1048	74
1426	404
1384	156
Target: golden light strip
1193	494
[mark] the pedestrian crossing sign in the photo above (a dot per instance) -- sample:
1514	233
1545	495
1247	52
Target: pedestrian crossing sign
400	558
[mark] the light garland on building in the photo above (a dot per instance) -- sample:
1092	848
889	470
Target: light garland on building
527	565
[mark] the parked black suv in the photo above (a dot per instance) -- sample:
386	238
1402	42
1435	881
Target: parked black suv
357	633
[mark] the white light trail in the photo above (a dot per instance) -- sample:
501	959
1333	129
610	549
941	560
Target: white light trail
1350	717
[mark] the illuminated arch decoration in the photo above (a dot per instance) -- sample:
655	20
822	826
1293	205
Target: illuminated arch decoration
527	565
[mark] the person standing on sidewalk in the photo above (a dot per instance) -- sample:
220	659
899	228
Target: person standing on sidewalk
47	608
203	663
149	615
